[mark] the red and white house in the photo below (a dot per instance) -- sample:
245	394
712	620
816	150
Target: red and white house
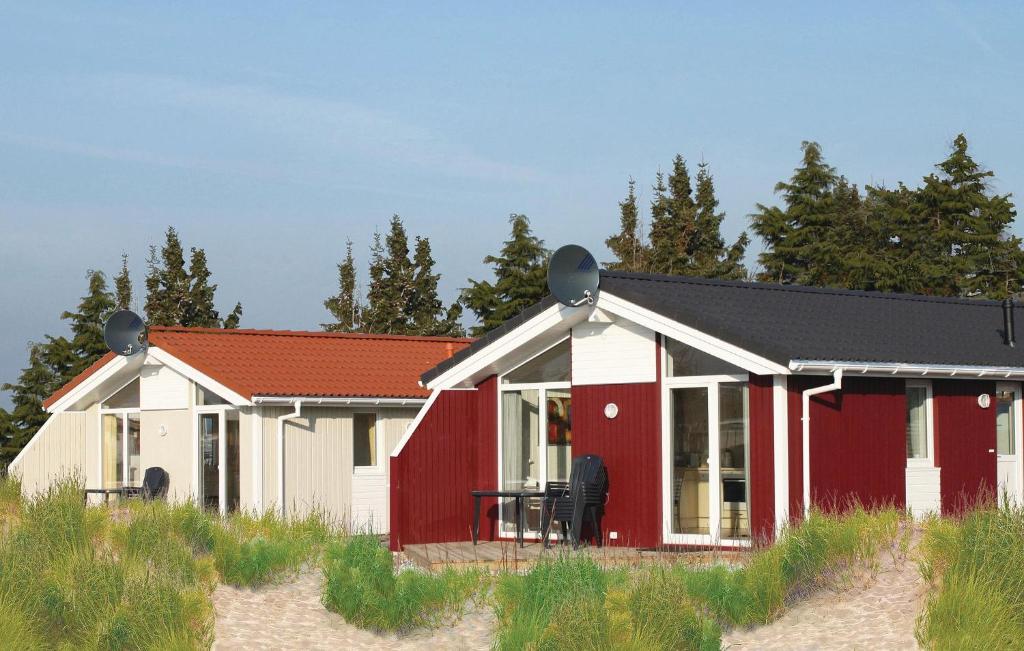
722	410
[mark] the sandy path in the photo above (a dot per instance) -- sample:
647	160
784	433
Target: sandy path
876	613
290	616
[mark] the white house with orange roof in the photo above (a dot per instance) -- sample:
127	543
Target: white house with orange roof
242	419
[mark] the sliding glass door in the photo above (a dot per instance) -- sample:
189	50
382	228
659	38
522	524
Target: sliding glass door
121	448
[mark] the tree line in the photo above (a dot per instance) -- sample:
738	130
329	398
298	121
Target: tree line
176	294
947	236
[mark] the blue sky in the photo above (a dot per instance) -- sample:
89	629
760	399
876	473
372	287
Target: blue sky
268	134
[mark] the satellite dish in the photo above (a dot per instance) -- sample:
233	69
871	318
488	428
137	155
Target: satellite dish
126	333
573	276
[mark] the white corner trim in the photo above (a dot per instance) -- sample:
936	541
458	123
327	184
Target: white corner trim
192	373
90	383
780	440
702	341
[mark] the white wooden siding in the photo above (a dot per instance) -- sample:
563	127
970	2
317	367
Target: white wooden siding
57	451
923	493
620	352
163	388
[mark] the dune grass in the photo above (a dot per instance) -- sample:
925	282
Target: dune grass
135	576
976	570
362	586
571	602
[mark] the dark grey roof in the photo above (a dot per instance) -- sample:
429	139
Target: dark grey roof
787	322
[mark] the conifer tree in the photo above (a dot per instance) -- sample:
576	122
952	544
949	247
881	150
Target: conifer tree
198	310
123	286
520	273
391	275
627	245
179	296
800	247
673	221
708	254
35	383
972	251
87	323
345	305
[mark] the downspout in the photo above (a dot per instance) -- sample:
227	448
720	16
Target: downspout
837	384
280	453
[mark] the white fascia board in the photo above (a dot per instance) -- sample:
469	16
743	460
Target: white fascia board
195	375
821	366
91	383
314	401
556	315
702	341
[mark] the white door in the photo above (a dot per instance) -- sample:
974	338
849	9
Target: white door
705	479
369	477
1008	441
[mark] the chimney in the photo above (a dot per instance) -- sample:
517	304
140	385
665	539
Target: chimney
450	349
1009	336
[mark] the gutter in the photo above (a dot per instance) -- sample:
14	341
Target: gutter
905	370
837	384
280	453
270	401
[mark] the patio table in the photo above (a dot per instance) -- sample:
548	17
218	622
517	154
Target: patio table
126	491
520	498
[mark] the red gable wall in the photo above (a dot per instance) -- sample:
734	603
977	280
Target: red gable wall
452	452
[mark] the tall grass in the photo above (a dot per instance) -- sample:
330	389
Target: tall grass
362	586
571	602
976	570
252	551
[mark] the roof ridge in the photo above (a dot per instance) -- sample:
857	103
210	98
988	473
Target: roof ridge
805	289
308	333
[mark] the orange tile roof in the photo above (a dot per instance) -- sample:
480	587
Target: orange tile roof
301	364
78	379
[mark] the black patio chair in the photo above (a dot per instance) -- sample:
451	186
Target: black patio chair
155	483
582	498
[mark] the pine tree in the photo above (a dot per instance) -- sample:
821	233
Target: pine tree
972	251
176	296
49	365
123	286
424	309
627	245
520	273
344	306
198	310
673	221
391	277
707	252
799	244
87	323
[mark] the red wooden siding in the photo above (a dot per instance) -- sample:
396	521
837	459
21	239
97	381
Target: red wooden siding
630	445
452	452
858	443
762	458
964	434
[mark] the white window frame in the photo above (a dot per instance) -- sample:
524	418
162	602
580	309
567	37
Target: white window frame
377	469
711	383
1018	436
123	412
929	423
542	389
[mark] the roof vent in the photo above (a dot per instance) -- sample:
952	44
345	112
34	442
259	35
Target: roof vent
1009	337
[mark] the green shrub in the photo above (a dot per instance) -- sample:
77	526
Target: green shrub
362	586
976	567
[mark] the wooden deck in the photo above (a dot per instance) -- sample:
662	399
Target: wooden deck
510	557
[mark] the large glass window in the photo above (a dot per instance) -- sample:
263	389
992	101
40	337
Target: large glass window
917	422
134	450
684	361
733	434
126	398
364	440
690	454
559	433
113	450
550	366
209	460
1005	443
520	450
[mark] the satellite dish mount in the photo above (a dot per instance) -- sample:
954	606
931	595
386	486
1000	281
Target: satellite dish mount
573	276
